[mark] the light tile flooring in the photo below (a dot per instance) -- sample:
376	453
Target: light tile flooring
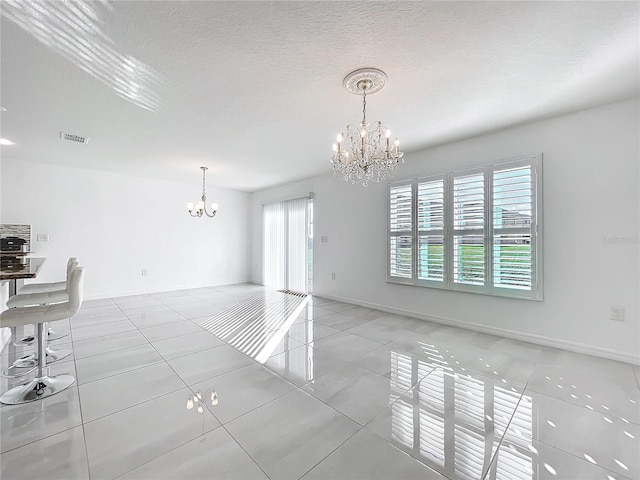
334	392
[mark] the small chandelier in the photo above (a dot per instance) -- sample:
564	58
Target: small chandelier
364	154
201	206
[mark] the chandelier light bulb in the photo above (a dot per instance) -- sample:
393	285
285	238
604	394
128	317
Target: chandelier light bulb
200	409
387	133
189	404
397	142
335	147
190	206
363	133
339	138
214	207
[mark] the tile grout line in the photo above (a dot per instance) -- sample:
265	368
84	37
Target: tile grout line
77	386
82	423
244	450
364	427
164	361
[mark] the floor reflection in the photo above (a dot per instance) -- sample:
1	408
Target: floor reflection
451	421
258	326
462	422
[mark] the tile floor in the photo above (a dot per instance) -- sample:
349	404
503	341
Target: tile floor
317	390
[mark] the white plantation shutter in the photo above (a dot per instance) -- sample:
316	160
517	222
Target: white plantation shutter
431	230
512	215
477	230
400	231
468	228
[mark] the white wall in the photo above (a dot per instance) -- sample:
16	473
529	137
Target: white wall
591	194
118	224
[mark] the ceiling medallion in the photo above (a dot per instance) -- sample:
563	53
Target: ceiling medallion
364	153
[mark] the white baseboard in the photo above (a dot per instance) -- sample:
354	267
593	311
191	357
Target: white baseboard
503	332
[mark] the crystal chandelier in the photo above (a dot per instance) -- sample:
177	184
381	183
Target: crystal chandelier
364	153
201	206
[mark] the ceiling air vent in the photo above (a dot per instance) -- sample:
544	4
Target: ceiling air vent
73	138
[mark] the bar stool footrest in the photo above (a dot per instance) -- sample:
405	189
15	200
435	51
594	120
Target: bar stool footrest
5	372
51	336
52	356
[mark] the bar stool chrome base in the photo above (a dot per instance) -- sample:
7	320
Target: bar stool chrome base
31	360
37	389
30	340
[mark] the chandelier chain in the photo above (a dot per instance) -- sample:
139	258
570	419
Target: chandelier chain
364	107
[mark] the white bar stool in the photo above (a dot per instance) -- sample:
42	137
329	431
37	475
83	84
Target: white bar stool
42	294
43	385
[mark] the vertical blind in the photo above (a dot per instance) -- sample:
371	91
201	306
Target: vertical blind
285	245
476	230
274	245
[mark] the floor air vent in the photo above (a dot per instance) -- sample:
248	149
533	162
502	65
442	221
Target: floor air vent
291	292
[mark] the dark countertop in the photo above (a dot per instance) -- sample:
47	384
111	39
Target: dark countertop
12	270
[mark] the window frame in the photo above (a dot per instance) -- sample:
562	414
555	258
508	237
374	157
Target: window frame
489	231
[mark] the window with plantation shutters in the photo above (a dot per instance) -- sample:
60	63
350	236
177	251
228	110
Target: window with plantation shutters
430	196
512	212
400	231
477	230
468	229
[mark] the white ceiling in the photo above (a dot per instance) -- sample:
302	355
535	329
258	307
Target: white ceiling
253	90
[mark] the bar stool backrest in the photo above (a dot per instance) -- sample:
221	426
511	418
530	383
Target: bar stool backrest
75	288
71	264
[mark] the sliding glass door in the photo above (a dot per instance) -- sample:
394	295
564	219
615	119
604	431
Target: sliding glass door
287	245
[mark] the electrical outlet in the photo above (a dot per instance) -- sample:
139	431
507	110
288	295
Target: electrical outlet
42	237
617	313
144	272
324	238
333	275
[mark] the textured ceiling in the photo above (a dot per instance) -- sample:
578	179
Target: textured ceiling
253	90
